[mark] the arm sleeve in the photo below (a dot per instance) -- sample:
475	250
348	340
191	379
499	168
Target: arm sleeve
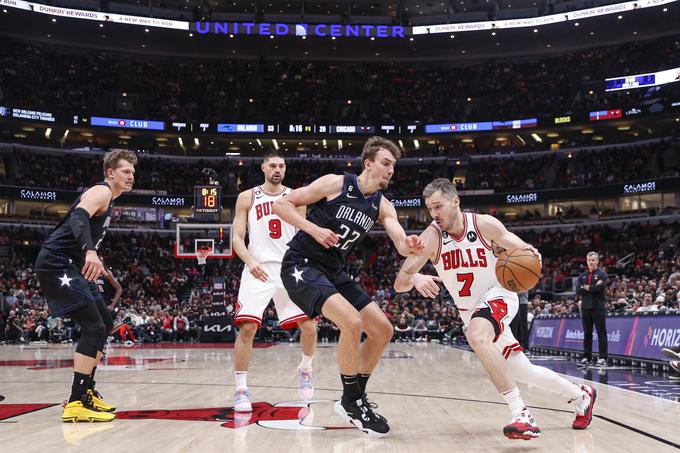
80	225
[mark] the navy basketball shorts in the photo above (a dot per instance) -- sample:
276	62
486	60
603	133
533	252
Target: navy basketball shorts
62	284
309	285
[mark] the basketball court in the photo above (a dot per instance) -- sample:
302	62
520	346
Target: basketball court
178	397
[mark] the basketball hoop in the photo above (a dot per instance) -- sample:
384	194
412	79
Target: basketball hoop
202	254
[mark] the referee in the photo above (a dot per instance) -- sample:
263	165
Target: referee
591	287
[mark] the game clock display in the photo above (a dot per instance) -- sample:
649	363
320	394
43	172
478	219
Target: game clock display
207	201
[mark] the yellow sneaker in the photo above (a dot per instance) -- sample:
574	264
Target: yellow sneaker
99	403
76	411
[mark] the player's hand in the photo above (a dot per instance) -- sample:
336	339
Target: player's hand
93	267
257	270
586	287
536	253
426	285
414	244
325	237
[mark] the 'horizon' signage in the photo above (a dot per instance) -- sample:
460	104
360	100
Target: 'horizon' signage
303	30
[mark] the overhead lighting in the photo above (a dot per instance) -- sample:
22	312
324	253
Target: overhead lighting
86	134
232	154
598	138
259	143
401	144
48	132
620	17
587	131
416	144
452	36
28	129
181	142
63	137
124	137
324	143
54	20
576	24
623	128
468	140
161	139
146	30
196	143
552	134
537	138
501	139
522	140
339	144
275	143
535	30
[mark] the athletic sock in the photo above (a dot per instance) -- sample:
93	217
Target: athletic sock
514	400
240	378
363	380
79	386
306	362
91	383
351	391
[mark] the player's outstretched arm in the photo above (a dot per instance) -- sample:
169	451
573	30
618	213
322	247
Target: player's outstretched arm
494	231
287	208
406	245
95	199
408	276
238	232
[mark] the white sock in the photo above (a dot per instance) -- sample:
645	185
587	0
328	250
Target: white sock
240	378
525	371
306	363
514	400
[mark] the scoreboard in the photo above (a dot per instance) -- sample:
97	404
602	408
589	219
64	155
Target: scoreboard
207	202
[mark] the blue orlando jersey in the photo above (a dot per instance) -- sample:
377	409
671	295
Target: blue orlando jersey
351	216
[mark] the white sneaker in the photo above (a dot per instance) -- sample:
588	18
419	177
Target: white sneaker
242	401
305	384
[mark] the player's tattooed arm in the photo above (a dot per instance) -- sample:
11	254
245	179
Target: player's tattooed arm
409	276
500	238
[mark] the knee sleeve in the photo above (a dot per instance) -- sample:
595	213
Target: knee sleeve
92	329
108	323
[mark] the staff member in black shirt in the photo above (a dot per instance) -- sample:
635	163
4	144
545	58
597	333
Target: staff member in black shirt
591	287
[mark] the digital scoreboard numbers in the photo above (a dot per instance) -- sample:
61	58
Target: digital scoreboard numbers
207	202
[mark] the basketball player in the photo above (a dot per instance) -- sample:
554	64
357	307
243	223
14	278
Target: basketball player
67	267
346	209
460	247
261	279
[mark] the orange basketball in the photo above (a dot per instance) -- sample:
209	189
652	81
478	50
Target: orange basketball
518	270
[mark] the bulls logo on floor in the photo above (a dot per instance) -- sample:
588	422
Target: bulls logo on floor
294	415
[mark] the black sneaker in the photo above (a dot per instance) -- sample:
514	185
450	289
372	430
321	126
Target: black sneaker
360	414
673	353
373	406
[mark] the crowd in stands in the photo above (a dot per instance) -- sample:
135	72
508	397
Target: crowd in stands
548	170
61	81
164	299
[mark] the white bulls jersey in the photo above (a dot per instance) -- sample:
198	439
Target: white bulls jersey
268	235
466	264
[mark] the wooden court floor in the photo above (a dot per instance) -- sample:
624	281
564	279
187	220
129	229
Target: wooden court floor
172	399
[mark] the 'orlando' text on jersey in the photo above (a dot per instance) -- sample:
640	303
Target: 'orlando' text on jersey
351	216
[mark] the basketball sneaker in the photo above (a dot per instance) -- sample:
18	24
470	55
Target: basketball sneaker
673	353
522	427
360	414
585	362
242	401
373	407
83	410
584	407
98	401
305	384
675	364
602	363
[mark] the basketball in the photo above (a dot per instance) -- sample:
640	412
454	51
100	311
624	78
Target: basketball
518	270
